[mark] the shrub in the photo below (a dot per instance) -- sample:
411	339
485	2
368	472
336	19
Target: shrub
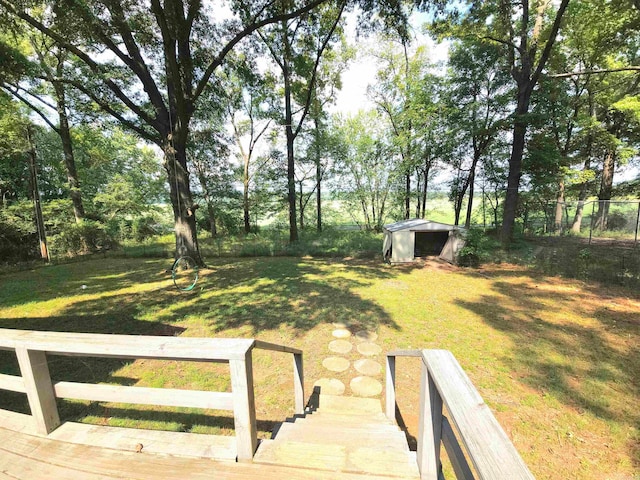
78	238
477	249
18	236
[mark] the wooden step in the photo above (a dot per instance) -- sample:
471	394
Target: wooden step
339	458
337	418
29	457
348	405
384	435
183	444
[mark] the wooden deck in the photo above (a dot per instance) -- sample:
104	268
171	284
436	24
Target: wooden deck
331	438
346	438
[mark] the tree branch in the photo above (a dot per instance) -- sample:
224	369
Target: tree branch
314	75
15	93
549	45
630	68
138	64
114	113
248	30
500	40
93	65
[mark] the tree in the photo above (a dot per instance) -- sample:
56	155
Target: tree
527	41
251	108
47	65
366	176
297	48
157	69
478	95
397	96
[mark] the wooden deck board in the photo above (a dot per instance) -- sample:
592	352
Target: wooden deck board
27	457
183	444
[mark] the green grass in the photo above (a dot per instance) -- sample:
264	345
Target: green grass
555	359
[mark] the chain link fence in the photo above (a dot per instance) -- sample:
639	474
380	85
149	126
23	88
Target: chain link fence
598	220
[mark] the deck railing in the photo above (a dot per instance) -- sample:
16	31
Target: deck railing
443	381
32	348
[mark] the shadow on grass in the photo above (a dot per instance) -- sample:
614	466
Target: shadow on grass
90	277
589	368
260	293
263	294
77	369
154	419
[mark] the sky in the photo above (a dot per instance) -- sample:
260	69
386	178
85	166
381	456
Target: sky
361	72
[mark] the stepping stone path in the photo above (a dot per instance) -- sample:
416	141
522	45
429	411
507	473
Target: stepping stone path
363	383
336	364
368	349
340	346
367	366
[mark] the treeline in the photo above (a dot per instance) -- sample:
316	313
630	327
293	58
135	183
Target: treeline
538	102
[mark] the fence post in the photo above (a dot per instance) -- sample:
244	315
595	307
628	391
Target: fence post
298	383
430	427
37	382
244	407
390	388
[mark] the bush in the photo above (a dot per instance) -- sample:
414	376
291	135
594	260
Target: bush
78	238
477	248
18	236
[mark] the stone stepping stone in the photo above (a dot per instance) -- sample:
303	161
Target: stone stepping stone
336	364
330	386
340	324
366	336
368	349
340	346
341	333
367	366
365	386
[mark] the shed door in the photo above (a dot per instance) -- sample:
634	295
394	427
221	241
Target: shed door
430	243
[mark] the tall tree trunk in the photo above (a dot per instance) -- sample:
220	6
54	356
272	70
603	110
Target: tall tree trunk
290	137
472	180
64	132
184	210
606	187
515	161
301	205
407	197
318	176
245	194
582	196
526	74
584	187
425	185
560	205
33	177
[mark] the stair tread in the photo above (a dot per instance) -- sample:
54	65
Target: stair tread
373	418
325	434
351	405
353	459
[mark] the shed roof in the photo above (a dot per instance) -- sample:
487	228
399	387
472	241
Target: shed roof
420	225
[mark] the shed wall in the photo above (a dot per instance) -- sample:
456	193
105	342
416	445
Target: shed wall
403	247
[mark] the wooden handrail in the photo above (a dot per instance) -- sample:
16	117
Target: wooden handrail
32	347
444	382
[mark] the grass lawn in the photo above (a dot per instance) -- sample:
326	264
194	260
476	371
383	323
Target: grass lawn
556	360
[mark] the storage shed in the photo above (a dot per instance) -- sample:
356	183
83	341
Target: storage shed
410	239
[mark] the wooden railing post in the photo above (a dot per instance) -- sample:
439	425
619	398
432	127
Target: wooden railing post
39	389
430	427
244	408
390	388
298	383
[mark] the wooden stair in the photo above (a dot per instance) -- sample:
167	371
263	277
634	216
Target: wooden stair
341	434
